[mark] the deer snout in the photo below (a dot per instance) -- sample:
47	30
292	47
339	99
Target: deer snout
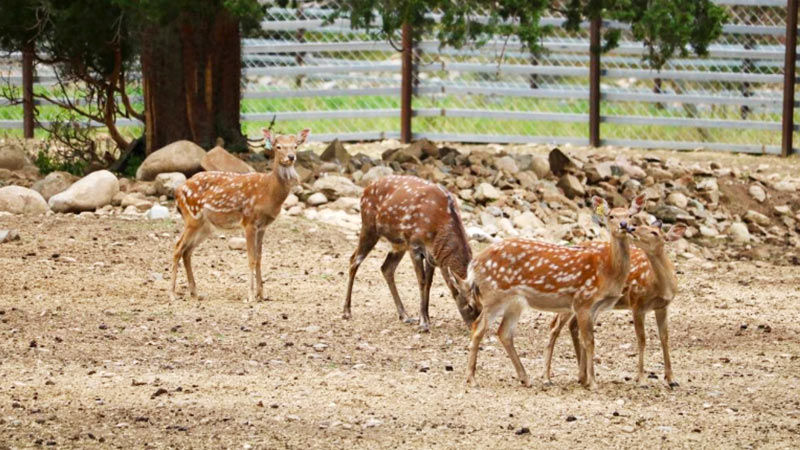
290	157
627	227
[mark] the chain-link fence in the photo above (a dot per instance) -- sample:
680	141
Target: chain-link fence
312	70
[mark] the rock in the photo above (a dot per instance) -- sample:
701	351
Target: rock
137	200
540	166
560	162
221	160
571	186
599	172
784	186
21	200
528	221
708	185
758	193
739	232
479	235
317	199
336	152
756	217
707	231
291	200
237	243
338	218
677	199
527	179
179	156
485	193
349	204
54	183
783	210
87	194
372	423
8	236
166	183
375	173
12	157
507	165
336	186
505	225
158	212
669	213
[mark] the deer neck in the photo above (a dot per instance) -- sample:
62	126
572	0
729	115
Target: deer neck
664	272
452	251
619	258
281	180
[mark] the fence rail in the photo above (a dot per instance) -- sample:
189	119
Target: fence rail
349	83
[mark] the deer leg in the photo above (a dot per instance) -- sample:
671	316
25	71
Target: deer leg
576	344
479	328
556	325
663	335
250	236
259	280
366	243
641	340
506	335
424	273
199	236
388	268
181	246
586	328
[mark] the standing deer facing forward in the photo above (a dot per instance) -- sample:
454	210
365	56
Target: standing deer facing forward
549	277
421	218
229	200
651	286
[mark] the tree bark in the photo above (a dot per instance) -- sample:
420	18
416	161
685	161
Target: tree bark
191	72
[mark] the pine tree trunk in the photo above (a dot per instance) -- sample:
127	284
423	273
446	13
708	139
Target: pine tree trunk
191	72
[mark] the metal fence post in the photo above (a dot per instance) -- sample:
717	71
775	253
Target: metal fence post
406	84
27	91
788	77
594	82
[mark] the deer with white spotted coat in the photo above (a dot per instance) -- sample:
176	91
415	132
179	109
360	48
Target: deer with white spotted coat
651	286
230	200
514	273
421	218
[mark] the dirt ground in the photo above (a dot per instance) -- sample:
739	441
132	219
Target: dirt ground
93	354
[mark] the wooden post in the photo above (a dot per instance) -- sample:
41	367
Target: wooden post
27	91
789	77
594	82
406	82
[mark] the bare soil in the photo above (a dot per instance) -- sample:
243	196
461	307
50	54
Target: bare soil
94	355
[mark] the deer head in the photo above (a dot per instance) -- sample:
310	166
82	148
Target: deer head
285	146
651	239
618	220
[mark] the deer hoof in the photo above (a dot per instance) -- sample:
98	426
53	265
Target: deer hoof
526	382
471	382
409	320
346	315
424	328
673	384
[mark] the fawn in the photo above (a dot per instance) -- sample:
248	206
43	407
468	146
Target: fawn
549	277
421	218
651	286
229	200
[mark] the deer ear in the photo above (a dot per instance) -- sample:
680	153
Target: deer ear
637	204
303	135
269	139
460	283
676	232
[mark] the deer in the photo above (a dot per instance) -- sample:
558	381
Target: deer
225	200
513	273
423	219
651	286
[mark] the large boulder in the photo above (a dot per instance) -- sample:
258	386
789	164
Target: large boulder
12	157
21	200
166	183
180	156
87	194
336	152
54	183
220	160
335	186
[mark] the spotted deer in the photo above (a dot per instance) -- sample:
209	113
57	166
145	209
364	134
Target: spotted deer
513	273
651	286
421	218
230	200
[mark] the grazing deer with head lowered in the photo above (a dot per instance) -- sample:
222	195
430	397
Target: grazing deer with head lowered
229	200
421	218
651	286
509	274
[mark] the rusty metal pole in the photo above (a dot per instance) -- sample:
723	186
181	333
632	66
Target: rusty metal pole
594	82
406	83
789	77
27	91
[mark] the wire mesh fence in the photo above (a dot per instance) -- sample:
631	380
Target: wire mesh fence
312	70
